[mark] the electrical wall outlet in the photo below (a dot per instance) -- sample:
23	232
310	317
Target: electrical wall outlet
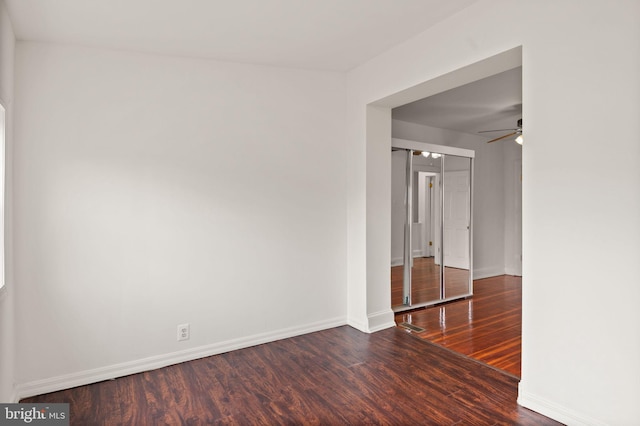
183	332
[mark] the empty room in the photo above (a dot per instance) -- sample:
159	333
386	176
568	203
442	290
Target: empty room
197	210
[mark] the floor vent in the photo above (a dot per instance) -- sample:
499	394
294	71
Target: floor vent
412	327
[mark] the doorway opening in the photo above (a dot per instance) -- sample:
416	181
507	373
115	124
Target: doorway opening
497	238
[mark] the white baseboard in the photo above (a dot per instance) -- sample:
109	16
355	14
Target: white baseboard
397	261
357	324
555	411
380	320
480	273
513	271
86	377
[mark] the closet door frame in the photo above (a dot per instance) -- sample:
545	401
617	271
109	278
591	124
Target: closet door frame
410	147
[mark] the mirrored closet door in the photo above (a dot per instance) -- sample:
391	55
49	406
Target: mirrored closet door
431	224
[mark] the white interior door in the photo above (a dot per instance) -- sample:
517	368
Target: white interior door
426	212
456	219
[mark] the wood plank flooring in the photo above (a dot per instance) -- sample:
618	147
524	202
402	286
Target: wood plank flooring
425	282
333	377
487	327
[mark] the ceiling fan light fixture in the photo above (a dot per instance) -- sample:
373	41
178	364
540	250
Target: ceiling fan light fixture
436	155
519	140
425	153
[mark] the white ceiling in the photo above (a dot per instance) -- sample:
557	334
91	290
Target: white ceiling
316	34
491	103
312	34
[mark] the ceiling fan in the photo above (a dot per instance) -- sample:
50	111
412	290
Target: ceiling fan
516	131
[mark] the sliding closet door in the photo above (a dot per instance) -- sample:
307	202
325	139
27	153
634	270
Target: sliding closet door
456	241
425	236
415	229
431	224
400	293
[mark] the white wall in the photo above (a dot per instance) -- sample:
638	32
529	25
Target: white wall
512	208
7	46
153	191
581	95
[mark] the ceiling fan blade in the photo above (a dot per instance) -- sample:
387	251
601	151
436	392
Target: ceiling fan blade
498	130
502	137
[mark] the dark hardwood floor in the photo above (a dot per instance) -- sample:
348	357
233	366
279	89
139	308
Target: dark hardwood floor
333	377
486	327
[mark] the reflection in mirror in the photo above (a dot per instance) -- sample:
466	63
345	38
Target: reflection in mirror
456	226
425	273
423	256
431	225
398	194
